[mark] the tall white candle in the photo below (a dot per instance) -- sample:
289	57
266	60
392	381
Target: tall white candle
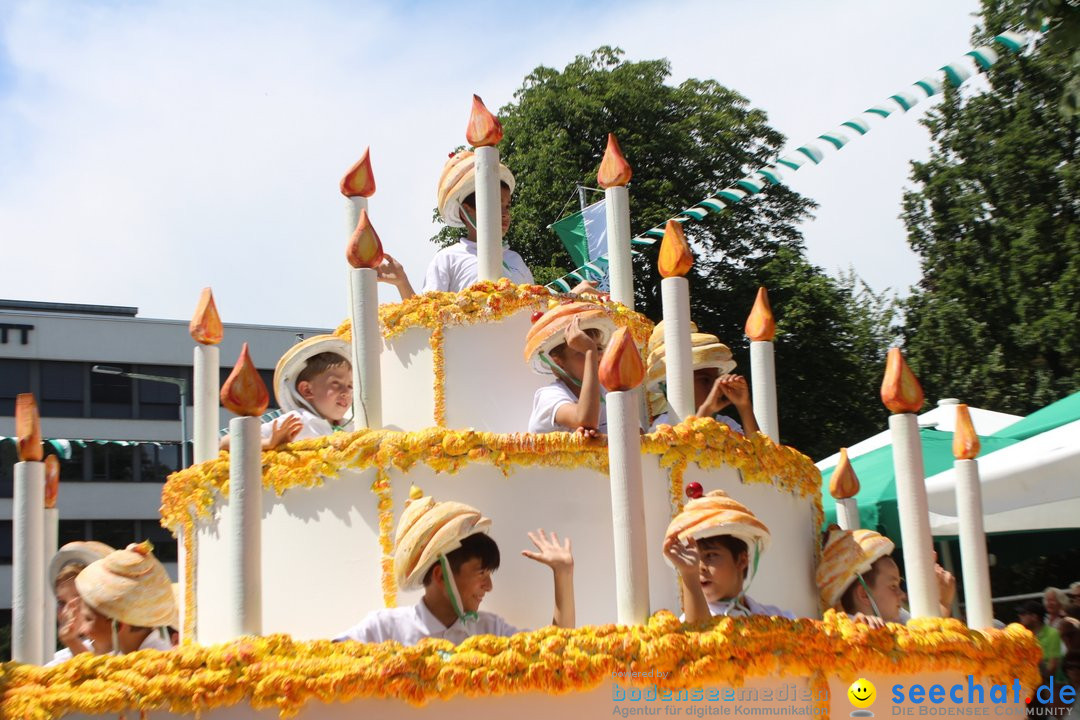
678	354
761	329
207	331
614	174
969	515
28	563
245	509
489	251
366	347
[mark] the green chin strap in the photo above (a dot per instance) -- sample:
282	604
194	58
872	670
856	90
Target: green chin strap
452	592
870	595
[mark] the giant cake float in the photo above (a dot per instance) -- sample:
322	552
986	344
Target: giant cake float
284	549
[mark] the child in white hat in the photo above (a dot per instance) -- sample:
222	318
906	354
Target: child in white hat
64	567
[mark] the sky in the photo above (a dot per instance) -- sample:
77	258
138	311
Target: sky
149	149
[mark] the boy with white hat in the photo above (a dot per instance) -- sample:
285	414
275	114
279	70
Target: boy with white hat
567	342
127	602
456	267
715	544
443	547
65	566
715	387
314	389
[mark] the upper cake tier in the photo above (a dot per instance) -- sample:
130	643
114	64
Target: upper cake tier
456	359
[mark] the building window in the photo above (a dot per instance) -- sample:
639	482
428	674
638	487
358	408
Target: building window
14	379
74	470
63	387
110	395
157	463
5	542
72	530
112	463
163	541
114	533
160	400
8	458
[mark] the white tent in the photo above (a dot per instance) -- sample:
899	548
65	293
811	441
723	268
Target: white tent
1032	485
942	417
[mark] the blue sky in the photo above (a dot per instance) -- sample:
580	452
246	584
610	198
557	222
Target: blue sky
150	148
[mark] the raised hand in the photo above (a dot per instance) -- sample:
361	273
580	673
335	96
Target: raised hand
685	558
578	339
283	430
391	271
549	551
735	389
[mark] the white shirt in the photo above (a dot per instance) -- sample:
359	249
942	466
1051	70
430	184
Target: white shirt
312	425
456	267
153	641
665	419
548	400
723	608
411	624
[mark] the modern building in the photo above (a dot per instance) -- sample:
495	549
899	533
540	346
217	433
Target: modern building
123	435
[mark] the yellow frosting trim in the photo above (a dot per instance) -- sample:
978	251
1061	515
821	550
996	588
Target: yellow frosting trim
278	672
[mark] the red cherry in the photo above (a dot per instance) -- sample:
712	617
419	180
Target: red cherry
694	491
537	315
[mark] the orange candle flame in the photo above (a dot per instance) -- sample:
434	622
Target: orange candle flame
364	249
484	129
244	392
359	181
675	256
844	483
28	428
761	325
621	368
205	326
614	170
965	443
900	389
52	481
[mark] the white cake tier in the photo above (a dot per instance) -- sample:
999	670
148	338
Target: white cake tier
485	382
321	559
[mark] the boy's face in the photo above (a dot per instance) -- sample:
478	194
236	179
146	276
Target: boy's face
96	628
330	392
721	575
886	590
704	380
473	583
504	199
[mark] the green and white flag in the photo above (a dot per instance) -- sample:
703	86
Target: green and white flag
584	234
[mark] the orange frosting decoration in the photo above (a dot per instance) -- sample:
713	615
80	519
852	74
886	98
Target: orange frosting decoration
359	181
900	390
614	170
244	392
621	368
205	326
484	128
965	443
52	480
27	428
844	483
364	249
675	256
761	325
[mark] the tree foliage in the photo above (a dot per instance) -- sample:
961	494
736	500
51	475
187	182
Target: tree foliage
685	142
994	319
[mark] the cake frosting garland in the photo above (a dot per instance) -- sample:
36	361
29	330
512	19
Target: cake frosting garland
278	672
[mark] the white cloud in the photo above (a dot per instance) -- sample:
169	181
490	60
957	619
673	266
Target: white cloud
154	148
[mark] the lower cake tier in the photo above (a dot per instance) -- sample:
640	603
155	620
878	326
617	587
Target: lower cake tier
330	507
758	666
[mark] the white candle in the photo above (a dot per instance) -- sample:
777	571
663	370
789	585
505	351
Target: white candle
50	544
763	379
913	510
245	508
628	508
366	347
847	514
28	563
489	252
620	264
207	369
678	354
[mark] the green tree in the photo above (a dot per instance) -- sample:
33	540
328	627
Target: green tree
994	319
685	142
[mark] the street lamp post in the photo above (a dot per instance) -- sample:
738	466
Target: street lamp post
181	383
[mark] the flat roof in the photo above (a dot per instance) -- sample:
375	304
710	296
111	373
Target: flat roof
69	308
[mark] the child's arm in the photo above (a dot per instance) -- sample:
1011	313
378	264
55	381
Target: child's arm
392	273
585	413
282	431
560	559
686	559
736	390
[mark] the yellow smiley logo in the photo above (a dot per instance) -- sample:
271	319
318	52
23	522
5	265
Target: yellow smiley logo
862	693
